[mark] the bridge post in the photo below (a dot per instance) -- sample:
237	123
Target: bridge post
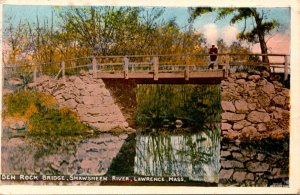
187	73
155	68
227	66
34	74
63	73
126	63
286	68
94	67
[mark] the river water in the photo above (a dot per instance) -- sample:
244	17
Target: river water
178	135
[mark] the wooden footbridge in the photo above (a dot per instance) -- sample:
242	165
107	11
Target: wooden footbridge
164	68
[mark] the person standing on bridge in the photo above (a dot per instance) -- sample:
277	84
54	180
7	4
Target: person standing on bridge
213	51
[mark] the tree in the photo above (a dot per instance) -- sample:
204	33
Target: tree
101	31
262	26
14	38
125	31
222	47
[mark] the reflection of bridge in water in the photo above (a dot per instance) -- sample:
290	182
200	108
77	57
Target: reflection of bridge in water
164	68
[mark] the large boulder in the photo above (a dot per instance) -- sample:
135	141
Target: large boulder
101	110
250	176
268	88
254	77
225	153
250	85
241	75
15	81
261	127
257	166
248	132
265	74
79	83
71	103
279	100
241	106
225	174
241	124
239	176
258	117
227	106
232	164
91	100
232	116
225	126
82	109
92	87
240	157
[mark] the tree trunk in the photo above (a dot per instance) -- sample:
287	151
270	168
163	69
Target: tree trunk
261	38
263	47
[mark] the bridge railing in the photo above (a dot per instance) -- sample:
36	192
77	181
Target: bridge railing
229	62
278	63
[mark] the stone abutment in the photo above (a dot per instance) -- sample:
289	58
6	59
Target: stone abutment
89	98
254	105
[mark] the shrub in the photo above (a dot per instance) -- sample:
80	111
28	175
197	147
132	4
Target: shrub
40	111
24	103
53	122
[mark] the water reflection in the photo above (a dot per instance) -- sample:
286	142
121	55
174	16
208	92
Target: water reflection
162	105
91	156
190	111
195	156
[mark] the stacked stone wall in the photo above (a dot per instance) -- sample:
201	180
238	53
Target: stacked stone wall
254	107
246	164
89	98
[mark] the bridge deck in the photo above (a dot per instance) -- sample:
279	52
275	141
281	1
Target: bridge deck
159	67
204	74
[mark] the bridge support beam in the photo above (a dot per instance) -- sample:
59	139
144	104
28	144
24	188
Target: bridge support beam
227	66
94	68
63	71
187	73
286	68
34	74
126	63
155	67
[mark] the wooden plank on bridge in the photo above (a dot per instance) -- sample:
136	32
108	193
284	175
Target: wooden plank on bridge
219	73
105	75
163	75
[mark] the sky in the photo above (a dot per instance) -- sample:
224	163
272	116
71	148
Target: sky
206	24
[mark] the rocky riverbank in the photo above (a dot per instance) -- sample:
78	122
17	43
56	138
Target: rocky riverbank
260	163
254	107
89	156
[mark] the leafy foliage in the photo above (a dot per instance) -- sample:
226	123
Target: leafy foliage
74	32
160	105
55	122
24	103
90	30
261	25
40	111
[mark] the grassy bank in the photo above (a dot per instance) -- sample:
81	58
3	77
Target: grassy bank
42	115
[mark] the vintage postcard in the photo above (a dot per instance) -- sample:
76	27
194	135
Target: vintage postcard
192	95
